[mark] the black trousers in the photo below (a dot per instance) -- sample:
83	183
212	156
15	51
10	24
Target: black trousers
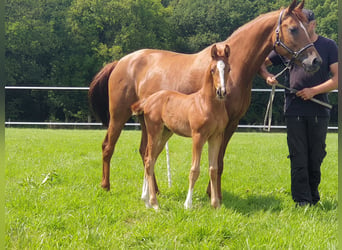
306	142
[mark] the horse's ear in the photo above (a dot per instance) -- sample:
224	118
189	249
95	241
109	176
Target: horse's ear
214	51
301	5
227	50
292	6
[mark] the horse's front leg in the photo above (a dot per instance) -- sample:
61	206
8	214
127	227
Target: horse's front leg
230	129
214	145
197	146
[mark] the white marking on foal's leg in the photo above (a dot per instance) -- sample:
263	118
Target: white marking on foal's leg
188	201
145	193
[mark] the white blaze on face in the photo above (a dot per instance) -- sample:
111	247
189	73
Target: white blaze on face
220	67
305	30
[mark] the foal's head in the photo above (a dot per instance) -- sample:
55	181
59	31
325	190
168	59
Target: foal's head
219	69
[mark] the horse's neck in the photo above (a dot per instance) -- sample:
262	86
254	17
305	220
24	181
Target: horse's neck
250	45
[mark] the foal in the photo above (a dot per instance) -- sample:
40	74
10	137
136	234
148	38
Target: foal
201	115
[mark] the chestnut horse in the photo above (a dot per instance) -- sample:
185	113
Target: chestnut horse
138	75
201	115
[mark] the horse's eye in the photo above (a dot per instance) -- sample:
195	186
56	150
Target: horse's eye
212	71
293	30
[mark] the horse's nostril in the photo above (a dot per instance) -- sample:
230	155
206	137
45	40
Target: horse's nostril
221	93
316	62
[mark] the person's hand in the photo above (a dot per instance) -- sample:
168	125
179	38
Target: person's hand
306	93
271	80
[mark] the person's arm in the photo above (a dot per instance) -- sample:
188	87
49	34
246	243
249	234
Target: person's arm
264	73
327	86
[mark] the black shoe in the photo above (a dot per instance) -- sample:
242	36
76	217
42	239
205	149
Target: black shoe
302	203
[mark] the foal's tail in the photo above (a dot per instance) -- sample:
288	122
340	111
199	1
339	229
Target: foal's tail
98	93
138	107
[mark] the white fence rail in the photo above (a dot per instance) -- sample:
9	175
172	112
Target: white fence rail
9	123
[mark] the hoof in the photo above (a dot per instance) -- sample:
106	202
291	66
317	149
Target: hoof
216	204
105	186
187	205
148	205
147	202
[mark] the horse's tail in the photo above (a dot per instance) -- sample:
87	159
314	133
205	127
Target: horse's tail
138	107
98	93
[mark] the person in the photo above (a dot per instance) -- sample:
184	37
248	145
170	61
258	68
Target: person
307	121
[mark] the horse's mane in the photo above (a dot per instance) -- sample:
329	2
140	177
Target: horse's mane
297	12
251	23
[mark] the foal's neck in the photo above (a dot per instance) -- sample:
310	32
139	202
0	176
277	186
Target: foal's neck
208	91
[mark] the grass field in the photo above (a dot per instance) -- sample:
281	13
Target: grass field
54	199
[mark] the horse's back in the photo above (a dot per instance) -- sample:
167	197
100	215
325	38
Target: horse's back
147	71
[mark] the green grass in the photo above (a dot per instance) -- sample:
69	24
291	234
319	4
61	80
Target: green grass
54	199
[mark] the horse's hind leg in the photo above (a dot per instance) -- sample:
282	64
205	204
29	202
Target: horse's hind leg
142	150
108	145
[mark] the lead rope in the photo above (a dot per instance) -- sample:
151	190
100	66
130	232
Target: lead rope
270	101
268	115
269	111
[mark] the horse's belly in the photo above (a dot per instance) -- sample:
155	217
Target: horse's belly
178	126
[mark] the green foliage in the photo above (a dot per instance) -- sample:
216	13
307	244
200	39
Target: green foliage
66	42
53	198
326	13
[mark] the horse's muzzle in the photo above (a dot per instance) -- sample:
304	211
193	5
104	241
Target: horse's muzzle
312	63
221	93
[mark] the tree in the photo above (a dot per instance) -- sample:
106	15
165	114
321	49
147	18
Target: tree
66	42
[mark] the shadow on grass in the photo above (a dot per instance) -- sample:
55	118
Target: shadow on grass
252	203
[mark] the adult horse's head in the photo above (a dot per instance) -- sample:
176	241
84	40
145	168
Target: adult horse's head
291	38
219	69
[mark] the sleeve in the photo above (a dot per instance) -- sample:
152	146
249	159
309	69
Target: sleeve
333	53
275	58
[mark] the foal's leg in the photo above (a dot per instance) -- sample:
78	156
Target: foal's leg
214	144
156	141
166	134
230	129
142	149
197	146
145	191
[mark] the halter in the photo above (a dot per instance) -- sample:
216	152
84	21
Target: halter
295	55
278	42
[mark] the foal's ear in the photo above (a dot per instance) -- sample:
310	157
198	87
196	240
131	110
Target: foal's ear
226	50
214	51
